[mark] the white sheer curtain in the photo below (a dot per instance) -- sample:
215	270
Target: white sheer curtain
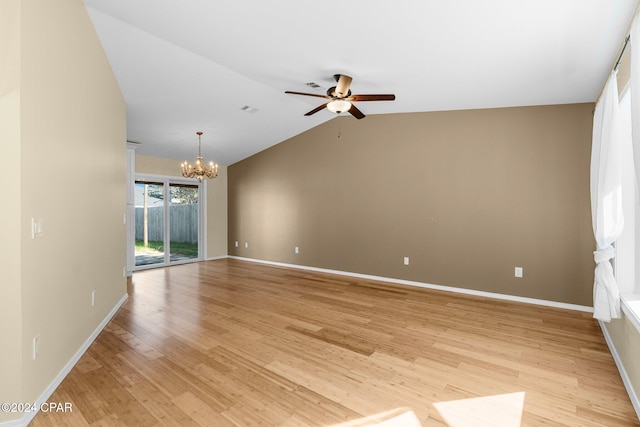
634	78
606	204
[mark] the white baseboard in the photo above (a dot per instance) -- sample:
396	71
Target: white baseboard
217	257
46	394
14	423
429	286
635	401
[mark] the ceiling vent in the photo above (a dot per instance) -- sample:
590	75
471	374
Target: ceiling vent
249	109
313	85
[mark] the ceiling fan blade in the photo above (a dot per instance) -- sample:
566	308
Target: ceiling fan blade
356	113
342	89
315	110
308	94
356	98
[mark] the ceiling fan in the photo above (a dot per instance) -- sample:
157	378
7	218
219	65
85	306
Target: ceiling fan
341	99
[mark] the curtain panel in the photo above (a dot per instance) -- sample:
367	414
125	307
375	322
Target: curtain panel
606	203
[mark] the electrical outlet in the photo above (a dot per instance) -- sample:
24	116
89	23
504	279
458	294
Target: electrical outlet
406	260
35	349
246	245
236	243
518	272
93	298
297	250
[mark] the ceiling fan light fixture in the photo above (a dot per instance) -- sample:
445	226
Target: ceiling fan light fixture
340	99
338	106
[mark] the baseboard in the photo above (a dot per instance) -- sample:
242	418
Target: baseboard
493	295
217	257
14	423
635	401
46	394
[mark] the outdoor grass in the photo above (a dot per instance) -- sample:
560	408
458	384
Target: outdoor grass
177	248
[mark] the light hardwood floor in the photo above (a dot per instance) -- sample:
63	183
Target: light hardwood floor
235	343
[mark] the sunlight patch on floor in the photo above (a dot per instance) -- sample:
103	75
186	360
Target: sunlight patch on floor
399	417
502	410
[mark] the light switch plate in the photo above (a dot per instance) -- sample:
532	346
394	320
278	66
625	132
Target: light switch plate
37	229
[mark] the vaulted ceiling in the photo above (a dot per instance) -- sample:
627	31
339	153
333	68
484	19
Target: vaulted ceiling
192	65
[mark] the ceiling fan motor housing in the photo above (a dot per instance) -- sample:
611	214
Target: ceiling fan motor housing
332	93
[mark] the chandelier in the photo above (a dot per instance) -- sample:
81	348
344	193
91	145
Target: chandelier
199	171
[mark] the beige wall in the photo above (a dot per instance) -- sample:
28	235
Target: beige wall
68	145
216	193
10	297
467	195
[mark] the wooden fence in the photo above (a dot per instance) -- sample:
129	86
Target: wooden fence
183	223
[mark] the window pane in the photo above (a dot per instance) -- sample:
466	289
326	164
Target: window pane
625	260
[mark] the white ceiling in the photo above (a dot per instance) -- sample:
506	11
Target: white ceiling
191	65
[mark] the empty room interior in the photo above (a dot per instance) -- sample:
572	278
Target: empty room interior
340	213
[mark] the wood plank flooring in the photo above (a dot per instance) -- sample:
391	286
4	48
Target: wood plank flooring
235	343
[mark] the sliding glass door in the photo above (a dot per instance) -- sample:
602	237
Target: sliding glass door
149	217
167	221
184	230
